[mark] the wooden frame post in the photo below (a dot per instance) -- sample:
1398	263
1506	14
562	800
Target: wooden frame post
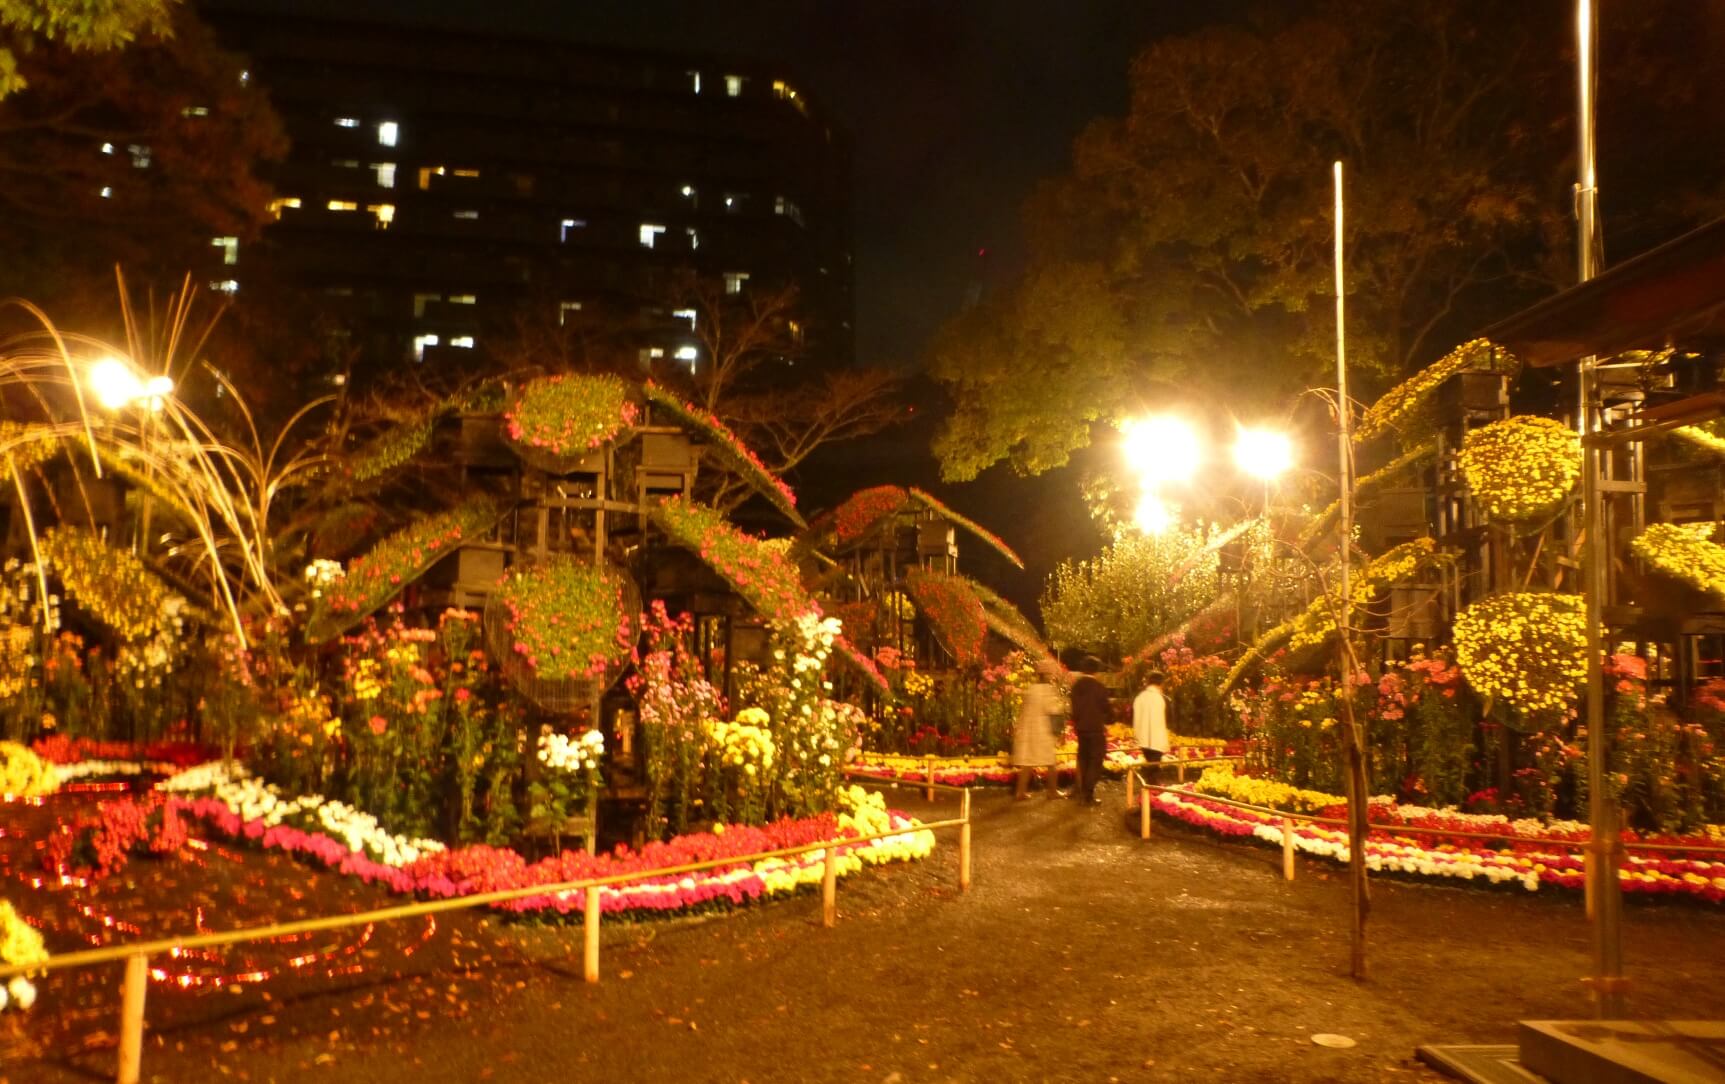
590	924
132	990
929	793
830	887
1288	849
1131	787
964	842
1144	813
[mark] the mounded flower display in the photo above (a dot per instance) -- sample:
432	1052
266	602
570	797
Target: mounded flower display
109	584
758	570
1400	406
1685	551
20	946
570	415
23	774
1521	468
1527	649
566	619
865	509
954	611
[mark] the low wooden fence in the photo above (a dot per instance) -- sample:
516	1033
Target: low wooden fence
136	955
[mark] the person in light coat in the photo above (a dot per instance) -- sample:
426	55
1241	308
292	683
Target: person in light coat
1150	719
1033	735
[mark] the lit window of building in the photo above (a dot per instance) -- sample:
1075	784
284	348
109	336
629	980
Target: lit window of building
472	173
344	163
226	286
463	299
195	111
107	192
382	214
694	81
564	308
656	352
420	342
230	247
569	224
422	300
796	329
733	86
385	174
734	201
245	77
734	281
694	237
470	216
783	206
107	148
686	314
689	354
388	132
347	122
140	153
343	205
277	206
465	342
688	191
650	233
428	172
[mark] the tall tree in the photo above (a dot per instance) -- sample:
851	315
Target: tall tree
140	155
88	25
1187	251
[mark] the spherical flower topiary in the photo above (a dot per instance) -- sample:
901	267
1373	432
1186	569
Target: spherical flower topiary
1528	649
1521	468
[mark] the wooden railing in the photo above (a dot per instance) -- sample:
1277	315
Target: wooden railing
136	955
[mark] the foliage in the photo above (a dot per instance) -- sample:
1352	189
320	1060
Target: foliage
737	456
1005	621
566	618
1521	468
1527	649
741	756
109	584
569	415
87	26
1705	435
23	774
1685	551
759	571
570	779
1191	682
378	576
1402	407
675	701
1364	485
949	712
953	611
1137	588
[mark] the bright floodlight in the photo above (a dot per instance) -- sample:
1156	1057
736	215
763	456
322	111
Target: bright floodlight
1263	453
1161	449
114	383
157	389
1153	515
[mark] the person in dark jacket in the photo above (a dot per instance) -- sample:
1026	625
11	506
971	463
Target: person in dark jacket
1091	712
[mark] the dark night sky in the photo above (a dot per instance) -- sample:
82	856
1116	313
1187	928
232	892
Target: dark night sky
956	108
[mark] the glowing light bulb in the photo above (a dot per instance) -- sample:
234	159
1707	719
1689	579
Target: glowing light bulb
1263	453
1161	449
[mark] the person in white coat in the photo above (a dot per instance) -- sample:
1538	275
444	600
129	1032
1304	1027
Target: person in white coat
1150	719
1033	736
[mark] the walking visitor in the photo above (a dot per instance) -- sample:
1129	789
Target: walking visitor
1150	719
1090	714
1033	735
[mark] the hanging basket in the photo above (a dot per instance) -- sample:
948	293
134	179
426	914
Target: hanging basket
556	694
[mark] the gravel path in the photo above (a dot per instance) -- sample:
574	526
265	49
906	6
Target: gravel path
1081	953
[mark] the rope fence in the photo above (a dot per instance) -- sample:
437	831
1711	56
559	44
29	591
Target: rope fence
136	955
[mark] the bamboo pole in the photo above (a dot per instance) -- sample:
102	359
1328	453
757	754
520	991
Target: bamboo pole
965	843
1144	813
132	990
1131	788
1288	849
590	924
929	793
830	887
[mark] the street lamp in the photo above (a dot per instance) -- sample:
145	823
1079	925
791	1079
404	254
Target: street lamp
1153	515
1263	454
1161	449
117	385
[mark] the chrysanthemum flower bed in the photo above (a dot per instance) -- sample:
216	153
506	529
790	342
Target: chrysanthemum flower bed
965	771
1521	860
227	800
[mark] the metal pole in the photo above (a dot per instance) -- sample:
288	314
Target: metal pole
135	984
1605	845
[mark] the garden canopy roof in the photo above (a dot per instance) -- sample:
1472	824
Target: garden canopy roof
1675	292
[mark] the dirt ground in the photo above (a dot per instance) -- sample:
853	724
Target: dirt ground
1081	953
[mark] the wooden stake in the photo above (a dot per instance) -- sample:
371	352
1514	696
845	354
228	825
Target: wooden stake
132	991
929	793
1587	878
830	888
964	842
1287	849
1144	813
1131	786
590	921
1182	768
